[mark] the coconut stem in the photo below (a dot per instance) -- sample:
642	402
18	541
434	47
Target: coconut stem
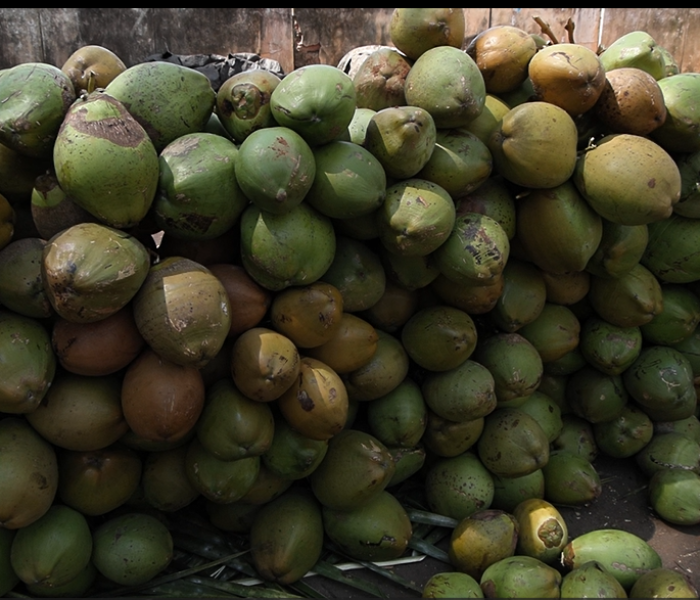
570	26
546	29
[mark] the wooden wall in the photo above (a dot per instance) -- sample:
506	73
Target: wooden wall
298	36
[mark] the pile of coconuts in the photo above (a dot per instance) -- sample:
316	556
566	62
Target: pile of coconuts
284	301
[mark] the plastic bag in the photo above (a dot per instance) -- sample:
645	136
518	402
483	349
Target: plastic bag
219	68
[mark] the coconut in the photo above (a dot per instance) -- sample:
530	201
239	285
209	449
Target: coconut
34	100
183	312
243	103
91	271
118	182
167	99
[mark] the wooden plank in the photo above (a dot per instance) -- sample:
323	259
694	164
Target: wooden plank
689	56
136	33
586	22
303	34
325	35
20	36
277	37
476	20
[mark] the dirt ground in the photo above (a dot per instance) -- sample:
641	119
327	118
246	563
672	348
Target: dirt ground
622	505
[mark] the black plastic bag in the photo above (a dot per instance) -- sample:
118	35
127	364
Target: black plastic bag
219	68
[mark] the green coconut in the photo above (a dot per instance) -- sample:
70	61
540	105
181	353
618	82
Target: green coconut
220	481
589	579
460	162
34	99
624	435
515	364
671	253
672	450
567	364
357	273
294	248
554	332
275	168
54	549
635	49
628	301
663	581
447	83
513	443
576	436
523	297
243	102
286	537
399	418
534	145
27	363
317	101
476	250
621	247
521	577
349	181
52	210
464	393
292	455
673	495
570	479
628	179
379	81
689	204
624	555
198	195
402	138
452	584
661	381
8	577
677	321
494	199
75	588
356	468
167	99
131	548
416	217
502	54
18	173
450	438
558	229
28	474
408	272
680	132
458	486
546	411
439	338
689	427
183	312
415	30
378	530
21	287
607	347
90	271
233	426
105	161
